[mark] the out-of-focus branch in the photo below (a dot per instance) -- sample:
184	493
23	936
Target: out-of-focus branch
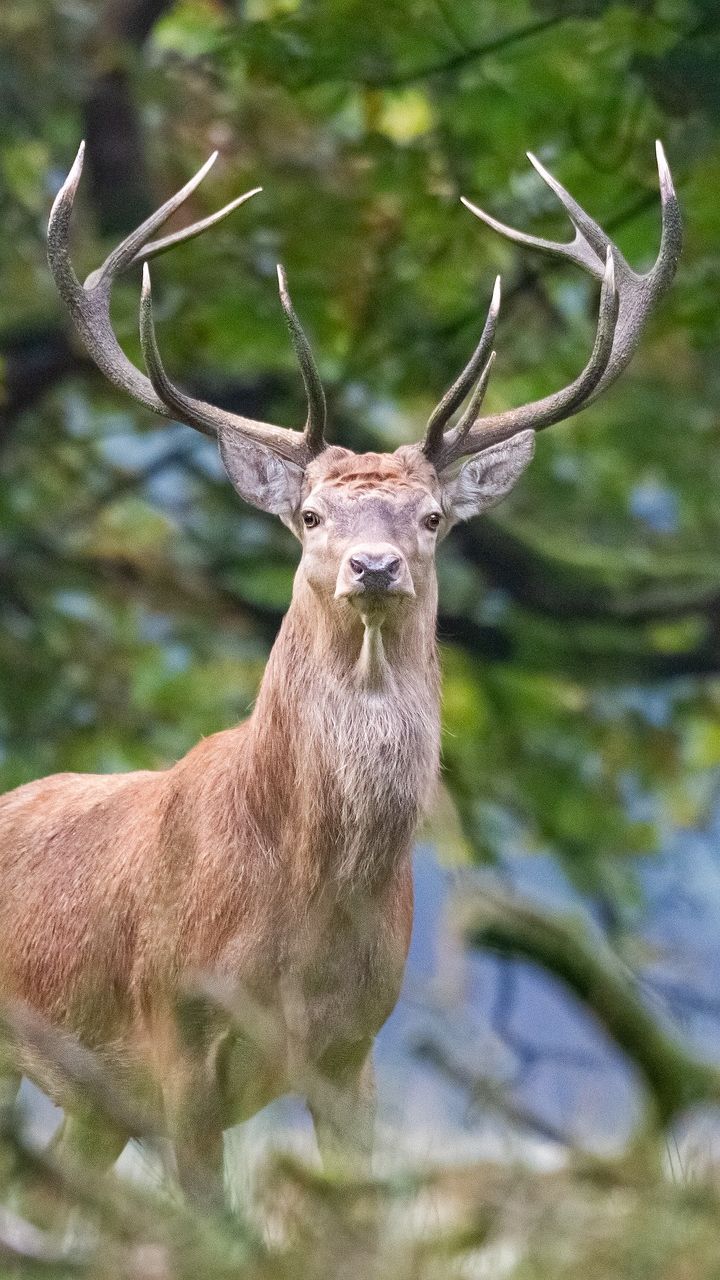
587	966
555	590
485	1092
22	1244
472	53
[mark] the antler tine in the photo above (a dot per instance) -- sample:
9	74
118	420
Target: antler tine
590	235
126	253
207	417
587	230
156	247
89	306
589	245
58	232
672	233
317	409
469	417
568	250
465	439
621	318
454	397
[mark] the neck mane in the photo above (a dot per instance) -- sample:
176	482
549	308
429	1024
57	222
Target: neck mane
345	737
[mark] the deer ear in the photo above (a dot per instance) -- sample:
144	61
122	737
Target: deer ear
261	477
488	477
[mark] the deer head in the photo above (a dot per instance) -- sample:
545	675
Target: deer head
369	523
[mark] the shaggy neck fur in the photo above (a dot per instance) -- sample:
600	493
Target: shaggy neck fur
348	721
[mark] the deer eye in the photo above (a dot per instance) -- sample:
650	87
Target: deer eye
310	519
432	521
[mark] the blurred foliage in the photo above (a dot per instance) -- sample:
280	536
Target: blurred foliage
581	623
593	1218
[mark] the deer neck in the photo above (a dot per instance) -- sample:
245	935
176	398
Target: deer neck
348	716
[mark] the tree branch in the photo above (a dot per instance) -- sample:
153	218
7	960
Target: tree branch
553	589
464	56
24	1245
585	964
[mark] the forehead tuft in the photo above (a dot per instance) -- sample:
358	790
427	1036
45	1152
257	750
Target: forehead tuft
356	472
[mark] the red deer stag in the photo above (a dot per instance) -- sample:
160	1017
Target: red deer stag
275	857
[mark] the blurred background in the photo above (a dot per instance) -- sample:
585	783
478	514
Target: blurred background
580	623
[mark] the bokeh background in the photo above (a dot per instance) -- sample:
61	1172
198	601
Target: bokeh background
580	623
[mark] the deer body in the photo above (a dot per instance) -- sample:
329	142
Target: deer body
266	876
275	858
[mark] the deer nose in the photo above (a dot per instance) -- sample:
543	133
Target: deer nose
376	571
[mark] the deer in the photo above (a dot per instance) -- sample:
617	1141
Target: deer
273	861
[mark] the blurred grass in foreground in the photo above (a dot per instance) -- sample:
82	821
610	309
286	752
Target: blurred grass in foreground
640	1215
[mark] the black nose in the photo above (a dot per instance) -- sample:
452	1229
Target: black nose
376	572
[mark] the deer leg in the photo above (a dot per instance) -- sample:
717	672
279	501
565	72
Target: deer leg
341	1102
199	1155
9	1089
194	1113
186	1033
342	1106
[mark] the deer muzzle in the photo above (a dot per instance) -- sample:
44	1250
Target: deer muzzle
373	572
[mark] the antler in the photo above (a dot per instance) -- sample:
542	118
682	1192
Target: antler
624	308
89	307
